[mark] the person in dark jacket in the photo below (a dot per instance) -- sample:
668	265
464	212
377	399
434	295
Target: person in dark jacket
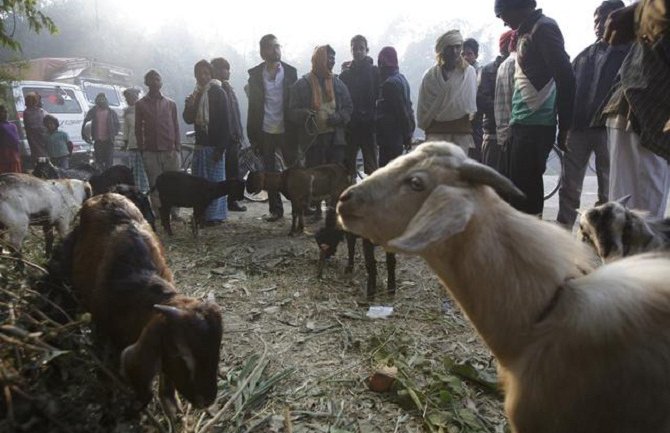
595	70
268	127
394	116
543	85
104	127
362	79
221	69
486	90
207	108
321	102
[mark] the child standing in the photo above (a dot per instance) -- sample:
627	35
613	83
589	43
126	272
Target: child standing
59	146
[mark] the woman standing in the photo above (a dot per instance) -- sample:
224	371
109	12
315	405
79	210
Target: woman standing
207	109
394	116
10	155
33	122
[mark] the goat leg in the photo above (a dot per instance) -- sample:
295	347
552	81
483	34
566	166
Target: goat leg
198	219
390	269
48	238
351	248
320	264
165	218
370	266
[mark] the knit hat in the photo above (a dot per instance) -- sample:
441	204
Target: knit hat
452	37
388	57
505	5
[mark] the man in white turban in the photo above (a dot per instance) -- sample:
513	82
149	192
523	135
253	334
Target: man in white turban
448	94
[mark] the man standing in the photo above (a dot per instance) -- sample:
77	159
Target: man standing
130	142
104	127
638	126
321	101
362	79
268	128
447	97
595	70
485	103
543	84
470	53
221	69
157	133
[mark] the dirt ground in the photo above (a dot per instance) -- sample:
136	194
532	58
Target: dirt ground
297	352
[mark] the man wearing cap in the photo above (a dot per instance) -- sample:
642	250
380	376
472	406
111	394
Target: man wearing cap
595	70
447	97
544	86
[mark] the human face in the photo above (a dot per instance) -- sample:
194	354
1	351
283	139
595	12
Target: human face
271	52
599	20
154	82
225	74
450	55
51	126
131	98
512	18
331	60
359	50
3	114
469	56
203	76
101	101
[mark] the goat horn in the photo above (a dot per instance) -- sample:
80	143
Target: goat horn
623	201
170	312
478	173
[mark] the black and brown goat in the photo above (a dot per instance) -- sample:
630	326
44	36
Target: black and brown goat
119	273
114	175
302	186
328	239
179	189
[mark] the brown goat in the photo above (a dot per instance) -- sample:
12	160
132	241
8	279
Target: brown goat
120	274
302	186
578	350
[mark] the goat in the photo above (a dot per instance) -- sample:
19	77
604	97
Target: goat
302	186
133	193
179	189
328	239
44	169
615	231
27	200
114	175
579	350
119	273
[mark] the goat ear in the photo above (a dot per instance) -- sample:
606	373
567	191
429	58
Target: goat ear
445	213
623	201
140	362
186	355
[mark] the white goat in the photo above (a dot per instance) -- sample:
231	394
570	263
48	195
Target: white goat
27	200
579	351
615	231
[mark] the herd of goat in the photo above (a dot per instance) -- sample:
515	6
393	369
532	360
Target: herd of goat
580	348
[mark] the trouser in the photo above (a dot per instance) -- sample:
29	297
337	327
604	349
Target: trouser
464	141
361	137
272	143
493	154
529	148
61	161
638	172
103	153
575	163
390	145
156	163
233	168
323	151
478	138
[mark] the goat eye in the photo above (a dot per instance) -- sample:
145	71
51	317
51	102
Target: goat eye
416	183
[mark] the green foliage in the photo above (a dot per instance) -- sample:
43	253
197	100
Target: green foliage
13	11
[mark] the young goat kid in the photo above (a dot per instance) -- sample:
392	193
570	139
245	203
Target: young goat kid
302	186
329	237
615	231
26	200
179	189
579	351
118	271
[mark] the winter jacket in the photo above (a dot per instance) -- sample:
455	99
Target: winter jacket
394	114
362	81
486	95
218	131
113	124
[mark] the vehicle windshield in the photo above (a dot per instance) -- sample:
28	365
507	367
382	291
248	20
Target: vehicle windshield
92	90
56	100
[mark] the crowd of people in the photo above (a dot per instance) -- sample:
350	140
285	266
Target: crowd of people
611	101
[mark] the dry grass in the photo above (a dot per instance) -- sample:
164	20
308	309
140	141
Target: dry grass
297	351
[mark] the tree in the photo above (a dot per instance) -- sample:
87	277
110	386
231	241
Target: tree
14	11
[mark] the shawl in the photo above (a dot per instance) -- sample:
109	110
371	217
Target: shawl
320	71
446	100
202	112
